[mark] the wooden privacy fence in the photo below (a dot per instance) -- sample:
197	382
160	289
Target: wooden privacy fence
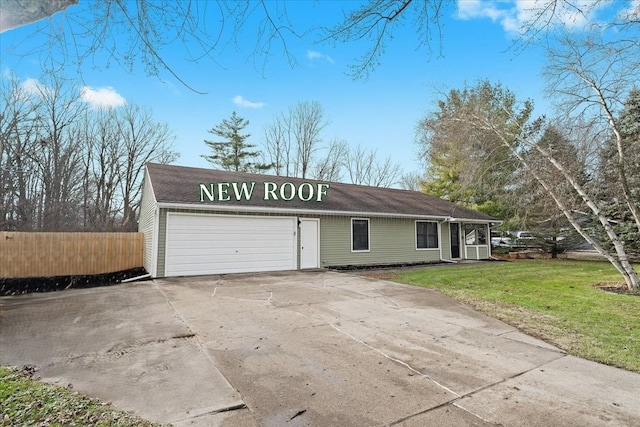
68	254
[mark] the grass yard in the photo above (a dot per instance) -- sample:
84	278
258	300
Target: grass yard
554	300
24	402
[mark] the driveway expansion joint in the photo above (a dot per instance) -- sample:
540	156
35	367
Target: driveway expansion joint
393	359
199	342
459	397
510	377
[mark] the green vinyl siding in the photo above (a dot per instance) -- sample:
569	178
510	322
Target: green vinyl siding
470	252
162	239
483	251
392	240
146	223
445	240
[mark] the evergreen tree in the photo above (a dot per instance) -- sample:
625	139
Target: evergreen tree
233	152
467	164
609	183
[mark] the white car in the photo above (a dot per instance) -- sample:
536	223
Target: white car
512	240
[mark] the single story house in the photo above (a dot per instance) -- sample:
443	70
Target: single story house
205	221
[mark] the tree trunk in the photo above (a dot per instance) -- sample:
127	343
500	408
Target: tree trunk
621	263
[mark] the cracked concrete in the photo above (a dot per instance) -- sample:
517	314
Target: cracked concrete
305	349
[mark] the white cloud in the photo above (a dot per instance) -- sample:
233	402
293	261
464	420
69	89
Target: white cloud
102	97
7	74
314	54
516	15
241	102
33	87
631	13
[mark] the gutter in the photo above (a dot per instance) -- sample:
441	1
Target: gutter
300	211
475	221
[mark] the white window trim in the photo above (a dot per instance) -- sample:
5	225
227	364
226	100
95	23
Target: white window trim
415	235
368	235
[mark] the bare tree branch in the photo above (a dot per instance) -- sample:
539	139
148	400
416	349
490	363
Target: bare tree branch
377	21
592	77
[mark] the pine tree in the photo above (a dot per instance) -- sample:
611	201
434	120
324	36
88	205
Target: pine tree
468	165
233	152
609	182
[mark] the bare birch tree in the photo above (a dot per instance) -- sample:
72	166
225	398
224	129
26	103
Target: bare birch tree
591	78
485	107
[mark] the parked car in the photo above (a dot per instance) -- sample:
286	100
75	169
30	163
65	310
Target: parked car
516	239
500	240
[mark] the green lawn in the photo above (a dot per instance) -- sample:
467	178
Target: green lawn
24	402
554	300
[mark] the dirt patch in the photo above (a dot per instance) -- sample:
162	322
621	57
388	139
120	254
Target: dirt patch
381	275
60	283
368	267
616	288
542	326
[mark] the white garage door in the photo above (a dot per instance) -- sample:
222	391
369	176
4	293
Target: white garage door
205	244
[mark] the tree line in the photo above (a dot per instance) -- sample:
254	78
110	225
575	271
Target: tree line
293	146
65	166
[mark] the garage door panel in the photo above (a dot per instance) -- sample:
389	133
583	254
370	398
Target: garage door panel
207	244
229	235
231	258
218	251
191	269
227	244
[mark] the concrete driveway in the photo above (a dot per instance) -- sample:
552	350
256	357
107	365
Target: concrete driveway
305	349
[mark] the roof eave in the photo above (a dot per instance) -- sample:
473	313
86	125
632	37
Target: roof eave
261	209
488	221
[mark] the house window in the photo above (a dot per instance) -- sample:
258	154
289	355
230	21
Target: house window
475	234
426	235
359	234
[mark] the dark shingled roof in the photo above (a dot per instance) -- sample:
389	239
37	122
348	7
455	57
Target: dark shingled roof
181	185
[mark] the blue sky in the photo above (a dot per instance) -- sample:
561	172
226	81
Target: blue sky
379	113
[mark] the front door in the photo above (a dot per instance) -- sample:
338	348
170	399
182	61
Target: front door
455	240
309	237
